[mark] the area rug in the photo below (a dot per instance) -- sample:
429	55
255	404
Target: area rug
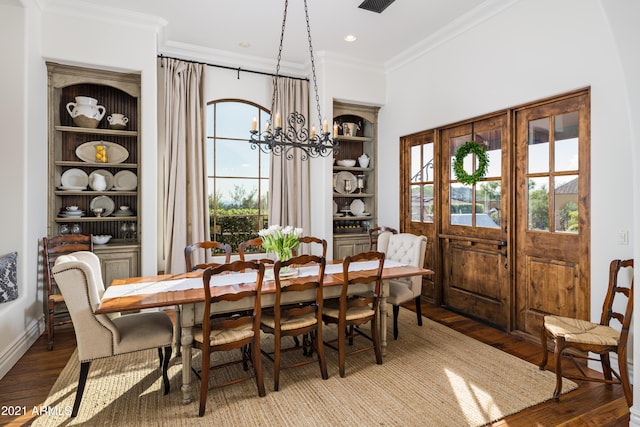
431	375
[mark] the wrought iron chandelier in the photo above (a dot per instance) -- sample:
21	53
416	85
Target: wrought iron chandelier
280	140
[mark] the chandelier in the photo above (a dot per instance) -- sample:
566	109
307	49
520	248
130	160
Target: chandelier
278	139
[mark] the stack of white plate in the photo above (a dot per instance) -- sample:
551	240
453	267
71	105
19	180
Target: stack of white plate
64	213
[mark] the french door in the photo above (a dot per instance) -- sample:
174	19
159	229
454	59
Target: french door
514	245
553	225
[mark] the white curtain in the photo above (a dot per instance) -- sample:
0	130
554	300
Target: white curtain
185	190
289	184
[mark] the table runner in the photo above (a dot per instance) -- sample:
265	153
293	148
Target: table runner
228	279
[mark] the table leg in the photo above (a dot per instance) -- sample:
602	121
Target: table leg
187	318
383	324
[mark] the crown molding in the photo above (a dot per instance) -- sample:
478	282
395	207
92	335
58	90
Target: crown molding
105	14
455	28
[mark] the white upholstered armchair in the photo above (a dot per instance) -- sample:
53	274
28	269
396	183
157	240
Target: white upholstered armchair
79	278
409	249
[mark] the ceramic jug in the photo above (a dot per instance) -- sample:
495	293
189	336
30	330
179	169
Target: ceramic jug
99	182
363	160
86	106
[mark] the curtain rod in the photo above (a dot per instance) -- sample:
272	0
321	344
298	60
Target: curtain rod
238	69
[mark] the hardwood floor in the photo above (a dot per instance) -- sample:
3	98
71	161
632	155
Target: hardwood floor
592	404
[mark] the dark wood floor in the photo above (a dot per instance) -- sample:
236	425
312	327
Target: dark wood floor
593	404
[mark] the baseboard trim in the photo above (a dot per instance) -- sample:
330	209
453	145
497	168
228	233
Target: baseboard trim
20	345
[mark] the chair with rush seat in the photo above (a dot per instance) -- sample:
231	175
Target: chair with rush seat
576	338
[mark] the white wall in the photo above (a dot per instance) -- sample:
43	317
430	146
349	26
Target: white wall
523	54
23	213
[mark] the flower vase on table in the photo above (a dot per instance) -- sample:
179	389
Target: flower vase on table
281	242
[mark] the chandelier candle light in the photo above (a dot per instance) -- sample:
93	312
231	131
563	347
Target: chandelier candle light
281	139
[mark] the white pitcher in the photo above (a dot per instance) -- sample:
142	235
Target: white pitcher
86	106
99	182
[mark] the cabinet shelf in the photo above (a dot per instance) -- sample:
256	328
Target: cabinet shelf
116	92
352	169
73	163
352	218
96	219
353	195
97	131
95	193
354	138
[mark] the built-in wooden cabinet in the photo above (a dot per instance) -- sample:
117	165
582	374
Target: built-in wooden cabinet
354	186
72	148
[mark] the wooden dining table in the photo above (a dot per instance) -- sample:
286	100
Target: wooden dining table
186	291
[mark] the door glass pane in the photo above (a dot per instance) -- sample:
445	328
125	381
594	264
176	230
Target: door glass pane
566	142
416	163
454	144
565	200
538	156
416	203
538	204
488	202
460	199
427	160
492	141
427	203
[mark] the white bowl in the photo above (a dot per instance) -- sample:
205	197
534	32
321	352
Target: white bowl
124	208
72	208
348	163
101	239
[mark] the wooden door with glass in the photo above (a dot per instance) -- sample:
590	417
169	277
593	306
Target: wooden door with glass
553	224
474	221
419	201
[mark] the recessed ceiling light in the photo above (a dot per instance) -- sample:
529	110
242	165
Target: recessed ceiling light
350	38
244	44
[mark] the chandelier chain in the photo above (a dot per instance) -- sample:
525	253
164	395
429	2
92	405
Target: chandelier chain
313	64
275	78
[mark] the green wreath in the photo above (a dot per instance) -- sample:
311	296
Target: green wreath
483	163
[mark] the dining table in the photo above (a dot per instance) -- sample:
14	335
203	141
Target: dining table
186	291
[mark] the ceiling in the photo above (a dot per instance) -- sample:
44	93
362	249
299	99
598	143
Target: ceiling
251	28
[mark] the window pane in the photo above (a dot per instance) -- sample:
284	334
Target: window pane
538	156
492	141
210	119
566	142
416	163
460	198
427	203
237	193
566	204
538	200
416	203
454	144
236	158
427	160
233	119
488	199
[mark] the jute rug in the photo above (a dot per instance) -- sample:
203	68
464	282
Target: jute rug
431	375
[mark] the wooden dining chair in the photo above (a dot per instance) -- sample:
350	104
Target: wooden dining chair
52	249
229	331
375	232
244	248
210	249
576	338
293	319
307	242
356	307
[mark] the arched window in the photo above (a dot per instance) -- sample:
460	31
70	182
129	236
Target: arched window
238	175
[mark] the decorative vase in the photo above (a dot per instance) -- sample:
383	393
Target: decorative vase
86	112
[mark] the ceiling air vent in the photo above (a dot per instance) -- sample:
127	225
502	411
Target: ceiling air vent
375	5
